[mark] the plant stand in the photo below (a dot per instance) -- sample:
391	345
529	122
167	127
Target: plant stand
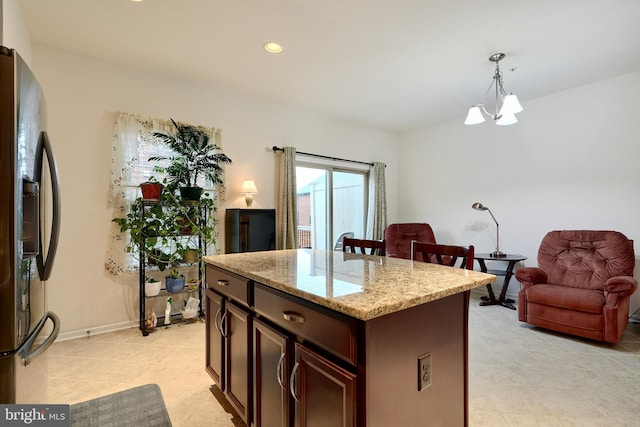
148	303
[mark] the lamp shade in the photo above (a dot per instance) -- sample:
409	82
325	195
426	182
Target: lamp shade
249	187
474	116
511	105
506	119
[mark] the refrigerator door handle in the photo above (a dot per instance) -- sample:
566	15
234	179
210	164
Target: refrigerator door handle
27	354
45	266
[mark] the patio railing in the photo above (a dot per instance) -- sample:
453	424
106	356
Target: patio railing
304	236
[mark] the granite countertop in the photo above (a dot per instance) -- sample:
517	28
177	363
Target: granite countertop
360	286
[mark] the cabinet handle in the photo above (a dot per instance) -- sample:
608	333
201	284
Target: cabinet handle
222	282
279	371
293	317
292	382
215	319
222	328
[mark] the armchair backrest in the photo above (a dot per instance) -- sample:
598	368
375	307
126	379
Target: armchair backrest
585	258
398	238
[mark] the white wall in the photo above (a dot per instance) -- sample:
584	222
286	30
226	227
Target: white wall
14	32
83	93
570	163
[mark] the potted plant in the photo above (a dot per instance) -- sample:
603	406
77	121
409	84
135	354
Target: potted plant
174	282
151	287
150	231
151	190
194	157
166	233
190	255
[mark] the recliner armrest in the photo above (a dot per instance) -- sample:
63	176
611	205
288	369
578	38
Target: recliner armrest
621	285
530	276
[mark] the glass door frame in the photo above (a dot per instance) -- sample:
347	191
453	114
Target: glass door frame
329	168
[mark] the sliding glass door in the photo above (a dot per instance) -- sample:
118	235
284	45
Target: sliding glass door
332	202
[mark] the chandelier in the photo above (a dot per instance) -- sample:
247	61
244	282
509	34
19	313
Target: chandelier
507	105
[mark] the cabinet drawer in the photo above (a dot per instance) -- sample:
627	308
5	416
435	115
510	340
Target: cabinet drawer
330	331
228	284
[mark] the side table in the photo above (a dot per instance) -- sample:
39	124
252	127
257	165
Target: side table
511	260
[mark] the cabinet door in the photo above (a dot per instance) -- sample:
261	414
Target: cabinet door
272	365
325	393
238	359
257	231
214	351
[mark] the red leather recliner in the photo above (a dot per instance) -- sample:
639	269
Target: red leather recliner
398	238
582	285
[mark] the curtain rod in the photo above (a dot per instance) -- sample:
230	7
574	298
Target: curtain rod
274	148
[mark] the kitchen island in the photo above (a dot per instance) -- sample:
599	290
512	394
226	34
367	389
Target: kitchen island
322	338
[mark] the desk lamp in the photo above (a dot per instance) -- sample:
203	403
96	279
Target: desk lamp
497	253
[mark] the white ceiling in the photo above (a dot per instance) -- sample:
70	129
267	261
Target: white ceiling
393	64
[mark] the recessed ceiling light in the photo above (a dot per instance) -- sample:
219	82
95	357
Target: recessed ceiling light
273	47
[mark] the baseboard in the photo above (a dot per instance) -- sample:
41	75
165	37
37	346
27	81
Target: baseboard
89	332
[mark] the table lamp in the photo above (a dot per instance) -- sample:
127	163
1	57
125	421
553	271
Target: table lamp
496	253
248	189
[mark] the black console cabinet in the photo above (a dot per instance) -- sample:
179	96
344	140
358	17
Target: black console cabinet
250	230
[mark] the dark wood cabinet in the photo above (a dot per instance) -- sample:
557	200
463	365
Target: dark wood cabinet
321	393
292	363
256	340
237	327
272	351
298	386
325	393
229	340
250	230
214	351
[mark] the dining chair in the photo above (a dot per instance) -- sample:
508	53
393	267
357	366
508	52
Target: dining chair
338	244
374	247
444	254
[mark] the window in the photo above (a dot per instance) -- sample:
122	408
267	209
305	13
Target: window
332	200
133	143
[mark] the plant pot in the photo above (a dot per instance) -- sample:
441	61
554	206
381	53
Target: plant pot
191	193
190	256
174	285
189	314
151	190
186	228
151	289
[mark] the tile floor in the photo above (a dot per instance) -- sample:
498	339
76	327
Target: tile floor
518	375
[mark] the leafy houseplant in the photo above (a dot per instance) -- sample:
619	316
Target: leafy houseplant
194	157
164	231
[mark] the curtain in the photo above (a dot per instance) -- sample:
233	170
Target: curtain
377	212
287	236
132	144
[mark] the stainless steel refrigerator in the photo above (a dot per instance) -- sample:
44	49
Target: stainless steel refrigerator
27	328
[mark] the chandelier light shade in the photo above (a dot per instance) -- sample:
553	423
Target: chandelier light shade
506	104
